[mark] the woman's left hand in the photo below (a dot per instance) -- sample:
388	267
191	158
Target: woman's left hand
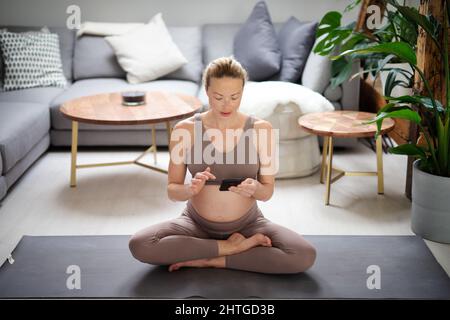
246	188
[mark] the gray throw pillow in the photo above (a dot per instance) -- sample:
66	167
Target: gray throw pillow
255	45
31	59
296	40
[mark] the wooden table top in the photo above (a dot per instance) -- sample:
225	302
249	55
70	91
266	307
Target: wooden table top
107	108
346	124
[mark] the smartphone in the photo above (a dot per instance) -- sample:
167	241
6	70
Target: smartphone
226	183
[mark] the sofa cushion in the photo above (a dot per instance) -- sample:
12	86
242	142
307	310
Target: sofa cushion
147	52
3	187
22	125
256	46
333	94
35	95
218	38
189	41
95	86
296	40
66	44
95	58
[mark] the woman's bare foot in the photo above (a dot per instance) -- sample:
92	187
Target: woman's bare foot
218	262
237	242
241	243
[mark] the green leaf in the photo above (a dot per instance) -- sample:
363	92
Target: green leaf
329	22
442	145
410	150
392	111
391	82
401	50
342	75
407	114
351	43
351	6
425	22
416	99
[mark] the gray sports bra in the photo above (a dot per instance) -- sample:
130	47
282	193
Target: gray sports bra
241	162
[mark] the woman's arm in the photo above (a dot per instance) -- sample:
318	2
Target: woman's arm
180	141
268	155
264	189
266	144
176	189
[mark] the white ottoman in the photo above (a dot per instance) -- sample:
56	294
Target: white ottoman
299	153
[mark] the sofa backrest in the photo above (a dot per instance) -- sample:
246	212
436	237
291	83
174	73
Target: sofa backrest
218	40
95	58
66	44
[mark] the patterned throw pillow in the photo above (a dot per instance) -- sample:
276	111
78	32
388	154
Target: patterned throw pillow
1	64
31	59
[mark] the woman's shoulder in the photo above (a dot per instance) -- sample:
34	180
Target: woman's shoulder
187	123
259	123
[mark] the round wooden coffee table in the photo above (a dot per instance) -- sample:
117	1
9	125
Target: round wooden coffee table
107	109
345	124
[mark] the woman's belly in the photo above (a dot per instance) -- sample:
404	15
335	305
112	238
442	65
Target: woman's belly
221	206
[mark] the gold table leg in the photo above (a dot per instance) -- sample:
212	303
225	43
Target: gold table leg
154	142
169	133
73	165
380	165
327	167
329	170
324	158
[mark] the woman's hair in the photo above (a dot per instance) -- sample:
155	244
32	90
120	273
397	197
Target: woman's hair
224	67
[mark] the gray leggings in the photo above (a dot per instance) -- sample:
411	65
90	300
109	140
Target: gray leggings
191	237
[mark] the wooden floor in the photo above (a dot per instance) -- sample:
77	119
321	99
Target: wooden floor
124	199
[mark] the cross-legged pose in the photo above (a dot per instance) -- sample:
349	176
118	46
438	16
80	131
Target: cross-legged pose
223	229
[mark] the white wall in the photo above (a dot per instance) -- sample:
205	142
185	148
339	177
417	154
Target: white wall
175	12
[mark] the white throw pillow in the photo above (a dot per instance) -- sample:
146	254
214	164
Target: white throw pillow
106	28
148	52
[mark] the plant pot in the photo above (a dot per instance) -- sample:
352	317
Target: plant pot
397	91
430	206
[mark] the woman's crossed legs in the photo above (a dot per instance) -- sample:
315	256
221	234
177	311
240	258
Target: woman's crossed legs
260	246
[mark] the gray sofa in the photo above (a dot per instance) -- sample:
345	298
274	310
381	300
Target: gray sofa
30	121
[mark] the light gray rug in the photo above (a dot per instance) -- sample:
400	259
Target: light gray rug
355	267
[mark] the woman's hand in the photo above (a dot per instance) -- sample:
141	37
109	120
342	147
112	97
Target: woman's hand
198	181
246	188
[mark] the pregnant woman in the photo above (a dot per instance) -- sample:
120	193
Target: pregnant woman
223	229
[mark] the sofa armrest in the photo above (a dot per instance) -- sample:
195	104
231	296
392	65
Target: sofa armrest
317	76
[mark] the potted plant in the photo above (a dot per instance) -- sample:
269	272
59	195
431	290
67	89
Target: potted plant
396	76
431	172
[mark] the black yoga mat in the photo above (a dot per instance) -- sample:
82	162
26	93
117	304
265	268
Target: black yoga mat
346	267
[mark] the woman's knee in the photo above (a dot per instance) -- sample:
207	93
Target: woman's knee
143	247
309	255
303	259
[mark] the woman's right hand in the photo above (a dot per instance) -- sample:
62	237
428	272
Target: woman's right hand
198	181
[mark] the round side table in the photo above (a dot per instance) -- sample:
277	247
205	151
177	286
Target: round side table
344	124
107	108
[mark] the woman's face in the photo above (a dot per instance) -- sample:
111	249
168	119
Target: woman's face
225	96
